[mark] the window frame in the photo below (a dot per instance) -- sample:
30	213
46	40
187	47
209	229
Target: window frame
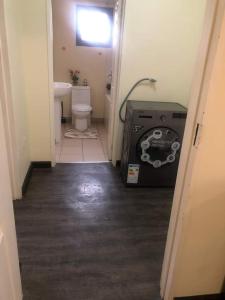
109	11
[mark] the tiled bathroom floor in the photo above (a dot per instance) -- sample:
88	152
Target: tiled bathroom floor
82	150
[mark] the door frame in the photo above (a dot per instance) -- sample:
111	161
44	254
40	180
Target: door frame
9	272
117	53
116	75
49	23
215	10
7	107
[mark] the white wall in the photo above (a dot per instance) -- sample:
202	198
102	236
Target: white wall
34	40
160	40
29	61
92	62
14	30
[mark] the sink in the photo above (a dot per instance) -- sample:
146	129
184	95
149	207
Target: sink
62	89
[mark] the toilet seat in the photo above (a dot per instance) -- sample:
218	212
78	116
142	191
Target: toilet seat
81	108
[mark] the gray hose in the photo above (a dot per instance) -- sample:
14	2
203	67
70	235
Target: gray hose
151	80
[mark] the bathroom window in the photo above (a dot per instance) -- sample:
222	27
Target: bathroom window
94	26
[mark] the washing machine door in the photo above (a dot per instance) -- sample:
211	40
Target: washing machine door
158	147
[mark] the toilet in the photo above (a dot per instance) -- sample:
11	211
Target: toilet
81	107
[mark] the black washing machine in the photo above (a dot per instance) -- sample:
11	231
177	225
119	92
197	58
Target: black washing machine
152	142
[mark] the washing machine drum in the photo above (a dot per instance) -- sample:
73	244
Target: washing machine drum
158	147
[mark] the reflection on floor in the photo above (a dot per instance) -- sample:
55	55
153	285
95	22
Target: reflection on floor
83	235
82	150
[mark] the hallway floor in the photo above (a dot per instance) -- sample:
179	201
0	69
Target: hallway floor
82	235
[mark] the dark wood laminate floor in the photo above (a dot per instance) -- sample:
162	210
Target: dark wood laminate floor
82	235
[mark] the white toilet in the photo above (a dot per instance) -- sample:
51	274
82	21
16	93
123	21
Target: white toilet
81	107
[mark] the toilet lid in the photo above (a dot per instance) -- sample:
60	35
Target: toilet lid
81	107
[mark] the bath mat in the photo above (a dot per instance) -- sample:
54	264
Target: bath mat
90	133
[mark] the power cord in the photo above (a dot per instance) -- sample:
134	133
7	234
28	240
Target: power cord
151	80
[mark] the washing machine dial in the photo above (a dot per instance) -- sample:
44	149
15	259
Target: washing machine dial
162	118
159	147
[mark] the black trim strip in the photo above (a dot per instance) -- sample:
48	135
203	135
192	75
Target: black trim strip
27	179
41	164
34	165
118	163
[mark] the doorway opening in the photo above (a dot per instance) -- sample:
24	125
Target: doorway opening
84	46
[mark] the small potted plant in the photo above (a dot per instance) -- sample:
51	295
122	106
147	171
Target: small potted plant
75	76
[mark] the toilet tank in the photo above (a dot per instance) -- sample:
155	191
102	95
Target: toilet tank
81	95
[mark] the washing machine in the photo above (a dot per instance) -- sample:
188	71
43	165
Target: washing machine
152	141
